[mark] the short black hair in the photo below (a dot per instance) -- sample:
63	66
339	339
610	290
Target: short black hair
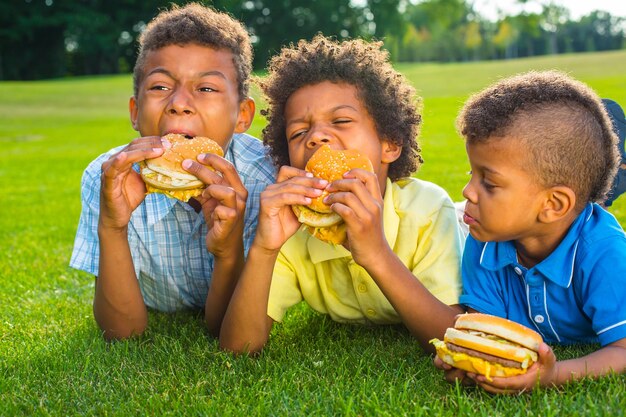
201	25
562	124
387	96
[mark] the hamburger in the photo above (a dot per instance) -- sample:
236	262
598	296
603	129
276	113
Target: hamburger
489	345
330	165
166	175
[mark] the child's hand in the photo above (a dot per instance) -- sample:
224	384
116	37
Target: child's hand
122	189
452	374
357	199
277	222
223	203
541	373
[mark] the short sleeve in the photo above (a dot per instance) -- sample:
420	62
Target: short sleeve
438	255
482	289
85	255
602	290
284	291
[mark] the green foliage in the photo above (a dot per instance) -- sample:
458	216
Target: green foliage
53	360
49	39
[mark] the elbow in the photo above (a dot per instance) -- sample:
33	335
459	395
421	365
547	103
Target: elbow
112	335
238	348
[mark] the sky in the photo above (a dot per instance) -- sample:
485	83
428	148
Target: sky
577	8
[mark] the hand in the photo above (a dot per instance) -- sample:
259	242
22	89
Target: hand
277	221
122	189
223	203
357	199
541	373
452	374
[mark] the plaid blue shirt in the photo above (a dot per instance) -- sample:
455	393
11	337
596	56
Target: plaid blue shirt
167	236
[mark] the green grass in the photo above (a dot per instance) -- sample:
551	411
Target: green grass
54	361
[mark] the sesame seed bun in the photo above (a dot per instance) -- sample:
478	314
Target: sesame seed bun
328	164
166	175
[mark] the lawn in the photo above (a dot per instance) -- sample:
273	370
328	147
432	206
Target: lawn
54	361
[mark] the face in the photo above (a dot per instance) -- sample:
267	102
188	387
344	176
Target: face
332	114
503	199
191	90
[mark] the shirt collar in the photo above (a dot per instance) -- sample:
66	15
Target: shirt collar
558	267
321	251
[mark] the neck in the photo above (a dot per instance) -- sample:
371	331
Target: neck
534	249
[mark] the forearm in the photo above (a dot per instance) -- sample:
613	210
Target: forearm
611	358
424	315
246	325
223	282
118	304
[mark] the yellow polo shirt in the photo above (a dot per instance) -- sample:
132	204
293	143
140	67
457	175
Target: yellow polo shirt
420	226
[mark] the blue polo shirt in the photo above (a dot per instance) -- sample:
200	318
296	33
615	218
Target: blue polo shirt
575	295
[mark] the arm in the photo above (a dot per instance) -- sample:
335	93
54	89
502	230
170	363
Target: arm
422	313
547	372
118	304
358	201
246	325
223	206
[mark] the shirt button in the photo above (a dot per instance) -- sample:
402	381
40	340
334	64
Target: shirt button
371	312
539	318
518	271
362	288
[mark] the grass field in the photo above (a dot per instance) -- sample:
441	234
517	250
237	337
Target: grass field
53	360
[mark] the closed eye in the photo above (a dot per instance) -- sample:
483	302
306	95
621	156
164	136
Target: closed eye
297	134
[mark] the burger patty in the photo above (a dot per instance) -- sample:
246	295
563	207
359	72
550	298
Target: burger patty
490	358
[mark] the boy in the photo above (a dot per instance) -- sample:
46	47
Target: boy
541	251
192	78
401	259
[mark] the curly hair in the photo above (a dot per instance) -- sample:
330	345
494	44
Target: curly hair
385	93
201	25
560	121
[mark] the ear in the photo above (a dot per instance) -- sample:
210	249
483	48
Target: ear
559	202
134	111
246	115
390	152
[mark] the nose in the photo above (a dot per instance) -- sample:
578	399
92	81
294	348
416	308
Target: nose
317	137
468	191
181	102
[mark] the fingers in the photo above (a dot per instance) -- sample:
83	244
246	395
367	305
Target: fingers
146	142
294	187
138	150
357	197
286	172
228	172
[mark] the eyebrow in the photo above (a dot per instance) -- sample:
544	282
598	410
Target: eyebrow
202	74
334	109
491	171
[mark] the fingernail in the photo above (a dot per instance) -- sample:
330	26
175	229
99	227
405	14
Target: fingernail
157	149
187	163
308	174
307	200
166	143
324	183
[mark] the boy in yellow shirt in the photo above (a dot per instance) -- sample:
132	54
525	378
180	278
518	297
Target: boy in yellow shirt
401	259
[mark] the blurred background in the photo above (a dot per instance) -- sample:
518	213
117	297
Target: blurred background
42	39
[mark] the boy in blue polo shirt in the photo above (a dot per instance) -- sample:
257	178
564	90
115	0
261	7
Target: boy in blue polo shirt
541	252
